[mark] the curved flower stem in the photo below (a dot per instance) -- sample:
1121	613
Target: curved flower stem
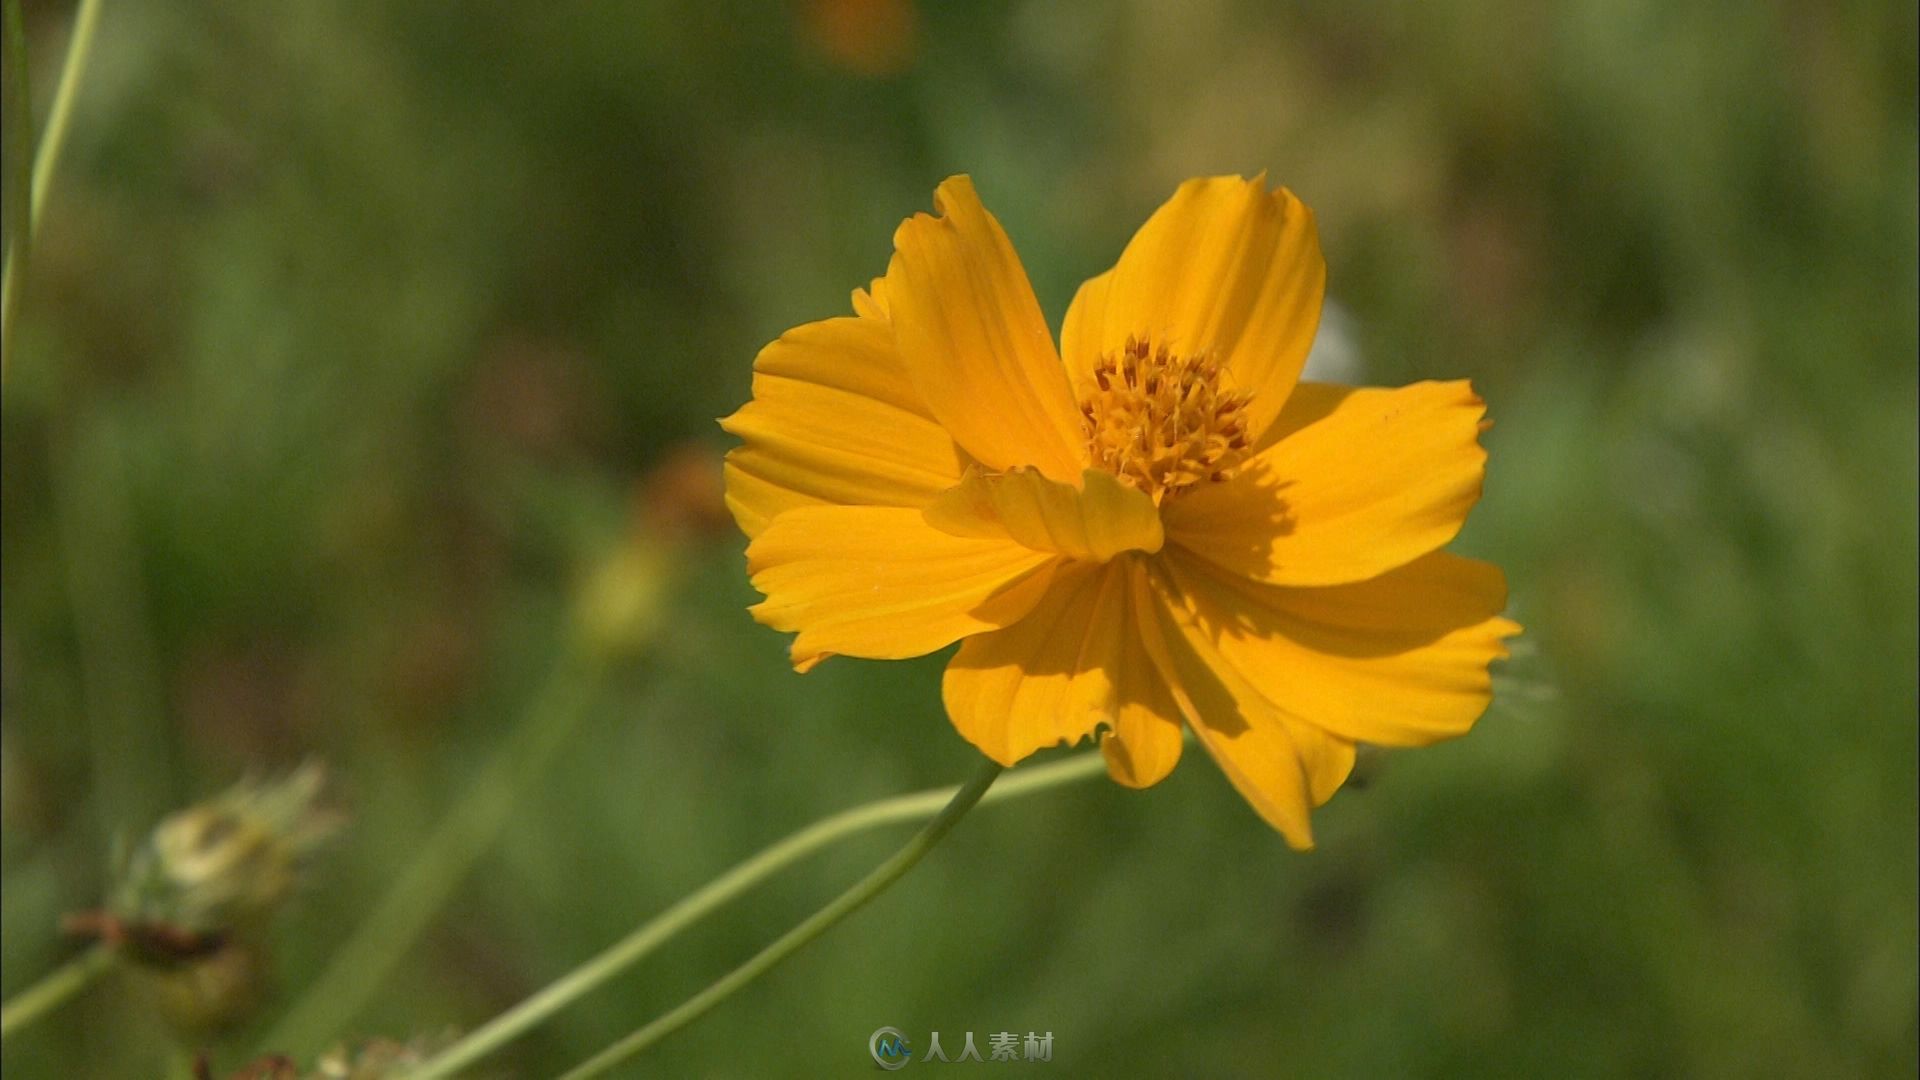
46	157
360	967
53	991
629	950
793	940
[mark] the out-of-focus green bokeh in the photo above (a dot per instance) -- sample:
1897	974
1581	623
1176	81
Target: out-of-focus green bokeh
371	351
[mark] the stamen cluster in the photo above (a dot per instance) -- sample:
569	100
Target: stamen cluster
1161	421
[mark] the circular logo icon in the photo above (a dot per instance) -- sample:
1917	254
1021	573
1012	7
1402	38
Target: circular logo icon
889	1048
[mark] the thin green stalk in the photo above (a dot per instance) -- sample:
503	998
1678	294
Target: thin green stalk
120	683
629	950
18	202
361	966
793	940
46	158
55	990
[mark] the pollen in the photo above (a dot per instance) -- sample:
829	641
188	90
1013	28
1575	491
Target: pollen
1162	421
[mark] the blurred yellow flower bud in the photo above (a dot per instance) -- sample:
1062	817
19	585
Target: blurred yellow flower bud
224	865
621	604
190	905
679	506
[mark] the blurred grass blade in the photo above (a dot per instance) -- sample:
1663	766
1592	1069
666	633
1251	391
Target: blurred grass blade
46	157
17	204
55	990
360	967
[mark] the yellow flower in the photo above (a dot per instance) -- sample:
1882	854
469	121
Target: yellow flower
1156	524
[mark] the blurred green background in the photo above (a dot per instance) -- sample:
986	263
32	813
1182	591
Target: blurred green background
370	358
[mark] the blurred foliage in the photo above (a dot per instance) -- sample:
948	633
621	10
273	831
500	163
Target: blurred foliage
368	346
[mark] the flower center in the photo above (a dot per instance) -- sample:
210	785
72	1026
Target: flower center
1162	422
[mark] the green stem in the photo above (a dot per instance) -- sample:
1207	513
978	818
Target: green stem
54	991
46	158
18	203
793	940
361	966
629	950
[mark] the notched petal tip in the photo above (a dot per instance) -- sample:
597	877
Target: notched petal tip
871	302
956	195
977	346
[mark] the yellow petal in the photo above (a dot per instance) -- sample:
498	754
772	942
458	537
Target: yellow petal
1225	268
1096	522
1361	482
975	344
834	420
1048	678
1081	333
880	582
1400	660
1144	743
871	302
1074	663
1282	767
